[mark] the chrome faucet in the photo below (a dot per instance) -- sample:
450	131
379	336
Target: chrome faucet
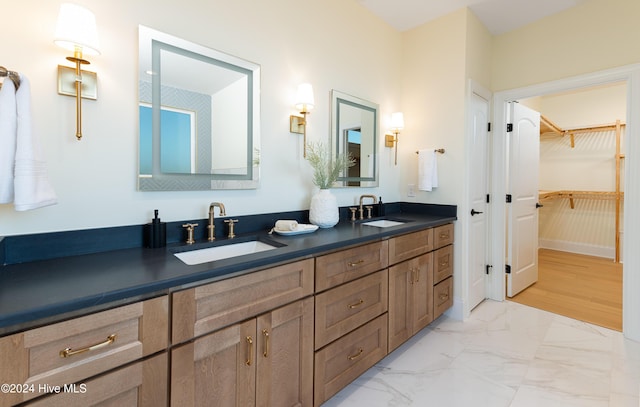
361	211
211	228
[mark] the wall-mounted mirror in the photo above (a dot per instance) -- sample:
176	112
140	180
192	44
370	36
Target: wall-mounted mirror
199	115
354	129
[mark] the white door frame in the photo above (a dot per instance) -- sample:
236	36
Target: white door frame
631	269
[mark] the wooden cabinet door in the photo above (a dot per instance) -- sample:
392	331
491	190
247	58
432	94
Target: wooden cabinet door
284	356
344	308
74	350
410	298
410	245
400	300
142	384
207	308
422	292
216	369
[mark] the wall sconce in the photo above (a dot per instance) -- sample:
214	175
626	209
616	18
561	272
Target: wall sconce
304	103
76	31
397	124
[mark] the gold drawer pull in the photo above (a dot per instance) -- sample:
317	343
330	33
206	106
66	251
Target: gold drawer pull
357	355
265	333
444	264
356	263
65	353
444	296
444	235
249	350
357	304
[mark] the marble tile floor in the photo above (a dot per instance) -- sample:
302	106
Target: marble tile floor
505	354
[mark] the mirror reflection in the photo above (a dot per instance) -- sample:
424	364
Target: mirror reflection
354	129
199	116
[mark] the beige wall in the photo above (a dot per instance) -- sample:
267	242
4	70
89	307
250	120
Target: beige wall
433	94
334	44
591	37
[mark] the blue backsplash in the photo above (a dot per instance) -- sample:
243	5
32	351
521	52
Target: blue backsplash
45	246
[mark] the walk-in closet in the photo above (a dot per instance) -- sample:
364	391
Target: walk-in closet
581	190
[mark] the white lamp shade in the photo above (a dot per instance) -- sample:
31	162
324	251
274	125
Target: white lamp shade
77	28
304	97
397	121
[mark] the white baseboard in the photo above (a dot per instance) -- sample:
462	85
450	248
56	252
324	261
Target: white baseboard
578	248
456	311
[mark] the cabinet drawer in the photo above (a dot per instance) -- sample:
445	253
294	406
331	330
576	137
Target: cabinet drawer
204	309
142	384
344	360
346	265
344	308
73	350
443	235
410	245
442	297
442	263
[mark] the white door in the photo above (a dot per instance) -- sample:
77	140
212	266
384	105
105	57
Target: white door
522	185
478	189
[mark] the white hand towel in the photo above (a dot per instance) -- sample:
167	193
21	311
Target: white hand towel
32	187
286	225
8	123
427	169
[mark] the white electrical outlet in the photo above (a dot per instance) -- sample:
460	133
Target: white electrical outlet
411	190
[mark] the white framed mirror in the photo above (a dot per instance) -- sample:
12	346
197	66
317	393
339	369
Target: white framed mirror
354	129
199	112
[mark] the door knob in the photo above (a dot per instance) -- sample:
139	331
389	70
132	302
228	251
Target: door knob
474	212
539	205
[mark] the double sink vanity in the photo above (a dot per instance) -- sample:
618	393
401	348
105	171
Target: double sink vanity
289	325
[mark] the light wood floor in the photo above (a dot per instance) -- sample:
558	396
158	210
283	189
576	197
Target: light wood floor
581	287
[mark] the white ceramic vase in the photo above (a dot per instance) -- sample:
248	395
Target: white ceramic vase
324	209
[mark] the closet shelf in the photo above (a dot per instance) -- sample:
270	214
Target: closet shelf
547	126
571	195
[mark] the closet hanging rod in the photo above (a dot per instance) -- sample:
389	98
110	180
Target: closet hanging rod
437	150
13	75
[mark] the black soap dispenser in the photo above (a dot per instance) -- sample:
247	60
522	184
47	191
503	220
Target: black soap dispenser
155	233
381	211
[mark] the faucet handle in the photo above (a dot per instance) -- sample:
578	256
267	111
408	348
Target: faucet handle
353	213
231	223
369	208
190	227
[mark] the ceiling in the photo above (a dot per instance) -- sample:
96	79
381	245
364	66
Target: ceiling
499	16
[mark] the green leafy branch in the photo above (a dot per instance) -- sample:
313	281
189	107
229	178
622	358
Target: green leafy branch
326	169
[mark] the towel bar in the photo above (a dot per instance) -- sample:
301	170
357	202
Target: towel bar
14	76
437	150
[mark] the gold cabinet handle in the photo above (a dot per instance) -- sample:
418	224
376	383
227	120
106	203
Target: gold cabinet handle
444	264
417	275
357	355
357	304
249	350
355	263
444	235
265	334
444	296
65	353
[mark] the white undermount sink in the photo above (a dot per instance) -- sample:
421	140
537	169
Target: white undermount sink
208	254
383	223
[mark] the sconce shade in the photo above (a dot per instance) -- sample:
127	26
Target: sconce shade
304	97
76	28
397	121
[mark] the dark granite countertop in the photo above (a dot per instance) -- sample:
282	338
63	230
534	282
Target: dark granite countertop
46	291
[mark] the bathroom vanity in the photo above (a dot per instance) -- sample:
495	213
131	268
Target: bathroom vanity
289	326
